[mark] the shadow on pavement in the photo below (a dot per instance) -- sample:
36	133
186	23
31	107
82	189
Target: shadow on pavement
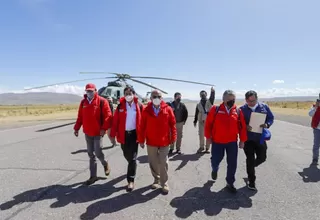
202	198
55	127
85	150
66	194
310	174
120	202
143	159
185	158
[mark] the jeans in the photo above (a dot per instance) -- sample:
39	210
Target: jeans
217	154
316	143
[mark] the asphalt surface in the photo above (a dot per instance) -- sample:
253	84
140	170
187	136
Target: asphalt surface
42	168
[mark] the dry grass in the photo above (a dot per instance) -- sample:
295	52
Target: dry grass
10	114
291	107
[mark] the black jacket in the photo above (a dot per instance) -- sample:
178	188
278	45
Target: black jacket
181	113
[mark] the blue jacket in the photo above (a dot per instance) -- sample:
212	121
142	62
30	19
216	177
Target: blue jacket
261	108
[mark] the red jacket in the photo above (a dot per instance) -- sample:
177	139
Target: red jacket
119	120
316	118
223	127
158	131
89	116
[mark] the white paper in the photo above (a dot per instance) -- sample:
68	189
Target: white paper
257	119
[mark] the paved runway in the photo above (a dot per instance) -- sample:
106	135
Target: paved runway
41	172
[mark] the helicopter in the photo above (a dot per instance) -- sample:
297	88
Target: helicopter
114	89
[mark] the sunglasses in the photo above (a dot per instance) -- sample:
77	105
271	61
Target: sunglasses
154	97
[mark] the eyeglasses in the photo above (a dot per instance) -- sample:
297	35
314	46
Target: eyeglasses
154	97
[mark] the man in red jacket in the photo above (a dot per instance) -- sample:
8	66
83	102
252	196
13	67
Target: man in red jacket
158	129
125	126
222	127
94	115
315	124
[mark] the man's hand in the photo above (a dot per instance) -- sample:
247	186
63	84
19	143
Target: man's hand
76	133
141	145
113	140
102	132
208	141
241	145
249	128
264	125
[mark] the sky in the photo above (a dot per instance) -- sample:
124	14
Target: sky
269	46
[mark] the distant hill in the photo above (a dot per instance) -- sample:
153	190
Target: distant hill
38	98
49	98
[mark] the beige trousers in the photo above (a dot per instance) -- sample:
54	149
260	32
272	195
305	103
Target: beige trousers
202	141
179	127
158	162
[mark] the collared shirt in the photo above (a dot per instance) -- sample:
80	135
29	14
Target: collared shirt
228	110
89	100
156	110
131	116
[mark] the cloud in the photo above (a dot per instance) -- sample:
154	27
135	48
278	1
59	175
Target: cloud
234	82
277	81
188	94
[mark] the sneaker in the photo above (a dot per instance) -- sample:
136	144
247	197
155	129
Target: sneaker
107	169
207	151
165	189
231	188
214	175
91	181
252	186
170	151
314	162
155	185
178	151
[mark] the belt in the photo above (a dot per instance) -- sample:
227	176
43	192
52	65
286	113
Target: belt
131	132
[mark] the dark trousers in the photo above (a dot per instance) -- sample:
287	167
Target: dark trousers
217	154
130	151
256	154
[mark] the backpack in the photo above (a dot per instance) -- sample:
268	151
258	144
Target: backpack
238	113
101	110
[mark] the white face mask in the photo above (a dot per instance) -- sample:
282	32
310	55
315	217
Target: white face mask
129	98
254	107
156	101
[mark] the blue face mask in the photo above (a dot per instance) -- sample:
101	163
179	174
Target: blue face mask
90	94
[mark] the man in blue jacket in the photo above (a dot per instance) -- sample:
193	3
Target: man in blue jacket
255	145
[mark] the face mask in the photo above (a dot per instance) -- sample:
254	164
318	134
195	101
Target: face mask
178	100
203	97
90	94
254	107
230	103
156	101
129	98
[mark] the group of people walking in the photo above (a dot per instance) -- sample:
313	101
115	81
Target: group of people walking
158	127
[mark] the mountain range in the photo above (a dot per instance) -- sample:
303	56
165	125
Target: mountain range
48	98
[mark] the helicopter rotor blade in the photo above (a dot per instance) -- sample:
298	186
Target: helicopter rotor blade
177	80
146	84
60	83
100	73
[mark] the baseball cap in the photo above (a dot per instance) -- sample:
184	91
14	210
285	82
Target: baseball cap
91	87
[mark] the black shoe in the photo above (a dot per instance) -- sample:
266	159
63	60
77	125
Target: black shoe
231	188
252	186
91	181
314	162
170	151
178	151
107	169
214	175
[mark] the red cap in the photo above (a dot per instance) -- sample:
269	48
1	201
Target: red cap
91	87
